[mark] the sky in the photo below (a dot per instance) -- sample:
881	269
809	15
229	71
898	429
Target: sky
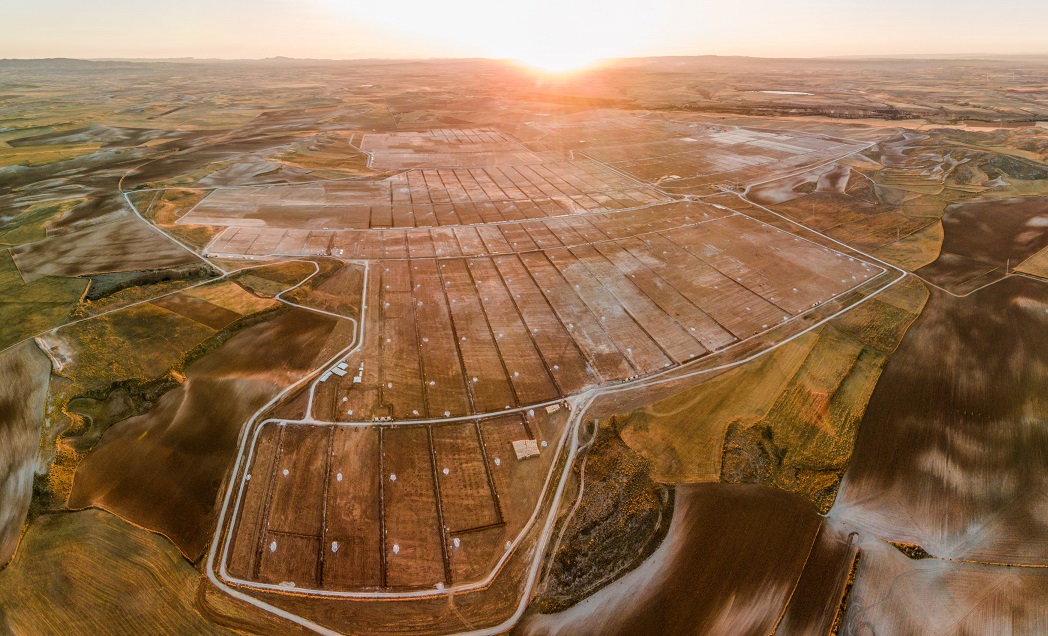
543	32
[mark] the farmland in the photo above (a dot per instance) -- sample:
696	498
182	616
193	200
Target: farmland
389	347
350	508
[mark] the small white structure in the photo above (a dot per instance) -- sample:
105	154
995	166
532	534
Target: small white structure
525	448
339	372
342	365
552	408
324	377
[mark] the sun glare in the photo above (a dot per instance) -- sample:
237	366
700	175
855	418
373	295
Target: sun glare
547	36
549	63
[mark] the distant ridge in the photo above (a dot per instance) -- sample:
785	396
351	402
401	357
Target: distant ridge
69	63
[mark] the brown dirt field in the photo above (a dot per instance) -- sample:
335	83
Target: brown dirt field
465	491
446	392
699	325
658	321
197	309
814	604
360	399
293	559
247	542
543	237
738	309
354	511
600	350
476	553
527	369
458	197
490	389
564	359
631	340
469	242
175	497
518	238
429	616
163	470
741	248
897	595
564	229
453	240
730	562
420	244
127	581
984	236
352	521
91	251
444	241
517	483
414	541
400	383
339	293
296	503
947	456
23	395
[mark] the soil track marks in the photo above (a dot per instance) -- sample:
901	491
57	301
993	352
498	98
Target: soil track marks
951	452
23	392
733	557
982	237
163	470
127	581
120	246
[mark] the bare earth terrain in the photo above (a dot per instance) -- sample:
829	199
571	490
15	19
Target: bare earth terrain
673	346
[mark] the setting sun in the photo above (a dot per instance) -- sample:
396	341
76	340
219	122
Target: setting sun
550	36
557	62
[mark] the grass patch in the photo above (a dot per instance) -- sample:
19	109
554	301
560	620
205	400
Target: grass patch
127	580
43	155
142	342
231	296
9	276
220	337
916	250
45	303
328	153
195	236
270	280
171	205
788	418
31	224
1036	265
336	288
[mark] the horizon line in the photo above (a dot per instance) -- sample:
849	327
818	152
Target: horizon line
877	56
